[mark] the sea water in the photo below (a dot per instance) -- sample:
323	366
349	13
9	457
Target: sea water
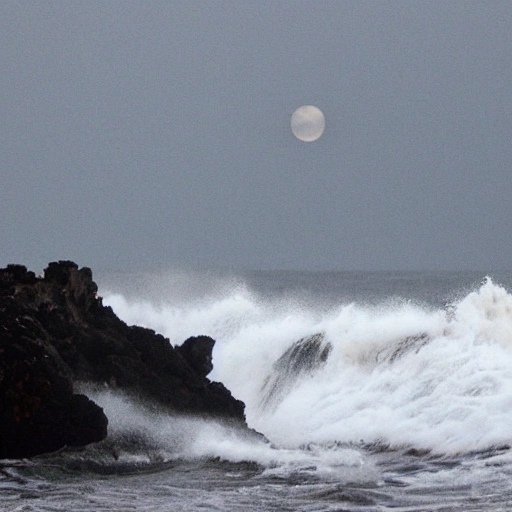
374	391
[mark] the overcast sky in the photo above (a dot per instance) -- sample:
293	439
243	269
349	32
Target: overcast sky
158	133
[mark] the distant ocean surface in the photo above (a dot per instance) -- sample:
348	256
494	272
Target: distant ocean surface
376	391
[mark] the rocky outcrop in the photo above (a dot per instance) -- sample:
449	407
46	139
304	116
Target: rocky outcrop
38	410
197	352
55	332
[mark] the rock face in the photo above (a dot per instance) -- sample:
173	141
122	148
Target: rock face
38	410
197	351
54	332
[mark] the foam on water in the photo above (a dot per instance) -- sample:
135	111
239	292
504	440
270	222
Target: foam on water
398	374
138	435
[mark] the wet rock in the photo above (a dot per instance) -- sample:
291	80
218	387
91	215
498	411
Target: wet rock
55	332
197	352
39	412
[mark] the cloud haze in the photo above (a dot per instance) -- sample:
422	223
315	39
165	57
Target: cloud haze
158	133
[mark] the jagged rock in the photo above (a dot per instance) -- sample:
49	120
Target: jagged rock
55	331
38	411
197	351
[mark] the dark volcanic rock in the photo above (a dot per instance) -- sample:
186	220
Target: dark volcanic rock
197	351
38	411
55	331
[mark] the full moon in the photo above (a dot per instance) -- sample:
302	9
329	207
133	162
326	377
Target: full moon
308	123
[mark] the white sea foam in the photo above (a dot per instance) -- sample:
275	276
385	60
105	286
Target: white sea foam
139	435
401	375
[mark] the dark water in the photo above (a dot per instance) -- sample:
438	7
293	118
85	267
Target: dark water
383	424
407	482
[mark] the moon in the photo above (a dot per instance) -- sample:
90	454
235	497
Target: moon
308	123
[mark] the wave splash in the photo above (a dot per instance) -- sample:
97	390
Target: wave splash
397	374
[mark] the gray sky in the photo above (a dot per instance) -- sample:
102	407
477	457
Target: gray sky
158	133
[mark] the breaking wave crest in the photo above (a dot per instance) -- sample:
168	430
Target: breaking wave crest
397	375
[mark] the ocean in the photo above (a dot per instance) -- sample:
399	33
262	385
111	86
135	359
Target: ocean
374	390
